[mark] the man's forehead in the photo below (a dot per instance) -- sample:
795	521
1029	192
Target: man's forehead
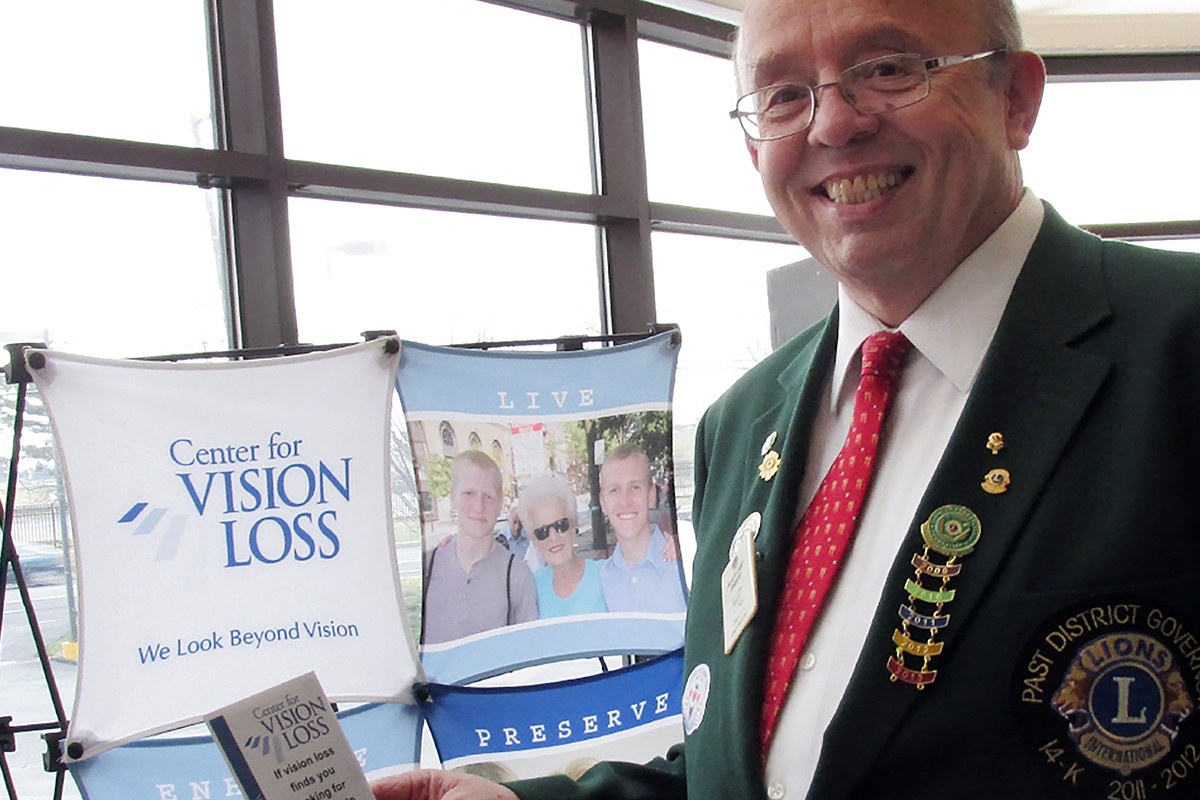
784	36
636	466
474	474
884	37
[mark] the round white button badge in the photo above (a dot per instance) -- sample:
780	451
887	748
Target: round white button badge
695	698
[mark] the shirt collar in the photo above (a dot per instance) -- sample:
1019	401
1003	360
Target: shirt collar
955	325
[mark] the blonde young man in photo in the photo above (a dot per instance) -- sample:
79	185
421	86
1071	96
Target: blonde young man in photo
1014	611
473	583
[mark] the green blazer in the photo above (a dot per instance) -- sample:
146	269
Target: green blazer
1093	379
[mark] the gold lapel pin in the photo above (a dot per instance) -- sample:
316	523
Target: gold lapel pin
769	465
995	443
996	481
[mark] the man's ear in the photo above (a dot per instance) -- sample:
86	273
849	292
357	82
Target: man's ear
753	146
1026	83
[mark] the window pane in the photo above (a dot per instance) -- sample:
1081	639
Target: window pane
124	69
695	154
109	267
439	277
380	85
1117	151
716	290
101	267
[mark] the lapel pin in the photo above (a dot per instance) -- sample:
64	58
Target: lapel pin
996	481
952	531
769	443
769	465
995	443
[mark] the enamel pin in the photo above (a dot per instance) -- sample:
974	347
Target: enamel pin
771	460
996	481
769	466
951	531
995	443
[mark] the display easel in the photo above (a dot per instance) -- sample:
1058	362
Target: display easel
54	731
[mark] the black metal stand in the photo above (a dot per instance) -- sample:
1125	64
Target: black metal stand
17	374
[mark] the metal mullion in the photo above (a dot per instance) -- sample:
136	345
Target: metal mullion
712	222
257	207
76	154
622	153
337	182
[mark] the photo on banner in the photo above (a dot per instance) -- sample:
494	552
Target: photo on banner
513	733
547	504
232	525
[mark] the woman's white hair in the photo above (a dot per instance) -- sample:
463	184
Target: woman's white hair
545	488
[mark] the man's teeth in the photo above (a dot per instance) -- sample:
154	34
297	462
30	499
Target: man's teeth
862	188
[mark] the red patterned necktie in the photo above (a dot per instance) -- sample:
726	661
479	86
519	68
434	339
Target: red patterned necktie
824	532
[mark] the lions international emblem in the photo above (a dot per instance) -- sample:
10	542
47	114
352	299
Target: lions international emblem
1123	697
1104	694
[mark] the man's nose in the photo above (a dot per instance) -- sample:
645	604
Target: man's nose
836	122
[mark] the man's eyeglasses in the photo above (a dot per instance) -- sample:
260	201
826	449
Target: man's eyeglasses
873	87
562	526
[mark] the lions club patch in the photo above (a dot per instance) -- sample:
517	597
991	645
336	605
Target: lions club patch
1103	695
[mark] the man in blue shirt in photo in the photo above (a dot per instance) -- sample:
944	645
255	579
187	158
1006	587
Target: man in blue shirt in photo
637	577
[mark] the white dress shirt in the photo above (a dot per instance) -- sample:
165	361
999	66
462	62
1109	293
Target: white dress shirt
950	333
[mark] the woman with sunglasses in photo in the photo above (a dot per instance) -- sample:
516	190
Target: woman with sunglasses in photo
568	584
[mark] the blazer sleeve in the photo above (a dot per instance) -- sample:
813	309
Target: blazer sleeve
661	779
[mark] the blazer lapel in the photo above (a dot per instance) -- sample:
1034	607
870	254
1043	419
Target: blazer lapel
1033	389
775	499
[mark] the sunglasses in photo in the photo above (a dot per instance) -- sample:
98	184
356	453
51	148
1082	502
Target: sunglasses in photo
562	526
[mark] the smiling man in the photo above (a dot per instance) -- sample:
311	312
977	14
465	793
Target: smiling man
637	576
946	539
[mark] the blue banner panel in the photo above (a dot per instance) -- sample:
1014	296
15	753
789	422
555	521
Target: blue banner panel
507	733
536	384
385	737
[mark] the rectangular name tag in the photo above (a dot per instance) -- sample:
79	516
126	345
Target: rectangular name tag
287	744
739	588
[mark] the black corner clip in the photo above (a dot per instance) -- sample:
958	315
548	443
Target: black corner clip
16	371
663	327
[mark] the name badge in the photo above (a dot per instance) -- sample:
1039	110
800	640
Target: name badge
739	585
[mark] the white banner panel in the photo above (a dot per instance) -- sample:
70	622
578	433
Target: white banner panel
547	501
233	527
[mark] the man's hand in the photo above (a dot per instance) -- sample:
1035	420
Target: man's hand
435	784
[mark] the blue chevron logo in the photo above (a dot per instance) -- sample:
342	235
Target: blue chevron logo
146	520
148	523
266	744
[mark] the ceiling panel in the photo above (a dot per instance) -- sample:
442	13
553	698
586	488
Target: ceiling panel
1068	26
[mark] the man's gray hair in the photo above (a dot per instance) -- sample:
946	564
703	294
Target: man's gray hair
1000	22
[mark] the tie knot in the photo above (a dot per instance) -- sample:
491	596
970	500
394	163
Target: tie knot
883	353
